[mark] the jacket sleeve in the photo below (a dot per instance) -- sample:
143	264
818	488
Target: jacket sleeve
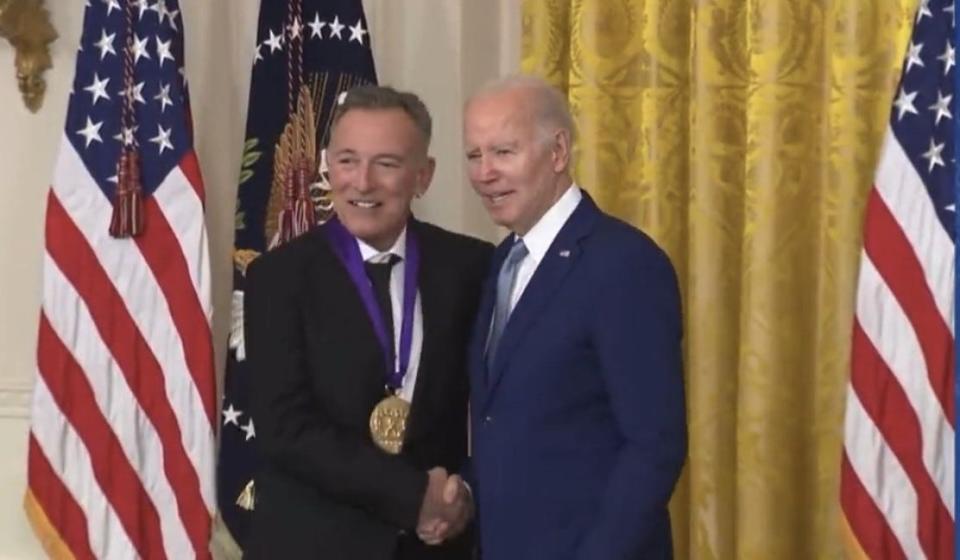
636	331
293	433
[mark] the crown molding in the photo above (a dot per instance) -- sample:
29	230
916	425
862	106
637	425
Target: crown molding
15	398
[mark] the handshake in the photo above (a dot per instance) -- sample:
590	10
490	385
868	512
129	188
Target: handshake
447	507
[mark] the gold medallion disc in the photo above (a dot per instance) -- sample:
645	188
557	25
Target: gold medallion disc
388	423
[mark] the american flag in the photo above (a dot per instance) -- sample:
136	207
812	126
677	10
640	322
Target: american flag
121	446
897	474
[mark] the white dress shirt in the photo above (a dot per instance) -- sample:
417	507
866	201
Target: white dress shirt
369	254
541	236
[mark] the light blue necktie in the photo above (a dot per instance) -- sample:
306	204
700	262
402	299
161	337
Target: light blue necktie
506	281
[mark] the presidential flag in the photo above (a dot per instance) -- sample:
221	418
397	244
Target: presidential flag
897	477
121	445
308	53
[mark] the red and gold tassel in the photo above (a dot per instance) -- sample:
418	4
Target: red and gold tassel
127	219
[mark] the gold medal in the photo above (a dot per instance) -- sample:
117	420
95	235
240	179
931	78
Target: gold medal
388	423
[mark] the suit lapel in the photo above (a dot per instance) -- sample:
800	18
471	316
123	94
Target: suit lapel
328	274
433	300
559	260
481	330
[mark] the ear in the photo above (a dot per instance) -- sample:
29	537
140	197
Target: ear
425	176
561	151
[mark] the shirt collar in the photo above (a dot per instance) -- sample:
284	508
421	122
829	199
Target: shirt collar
542	234
399	248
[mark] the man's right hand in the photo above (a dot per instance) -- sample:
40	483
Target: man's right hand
447	507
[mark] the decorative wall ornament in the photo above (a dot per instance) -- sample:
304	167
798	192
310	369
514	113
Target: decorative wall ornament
26	24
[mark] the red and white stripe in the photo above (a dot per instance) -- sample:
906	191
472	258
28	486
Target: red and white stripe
897	478
122	438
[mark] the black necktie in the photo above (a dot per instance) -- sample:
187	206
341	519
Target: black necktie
379	274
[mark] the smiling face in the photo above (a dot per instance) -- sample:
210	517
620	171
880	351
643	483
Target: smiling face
517	165
378	163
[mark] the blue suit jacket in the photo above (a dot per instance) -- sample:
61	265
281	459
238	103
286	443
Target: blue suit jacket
579	426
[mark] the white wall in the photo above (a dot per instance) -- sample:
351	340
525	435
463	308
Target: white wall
441	49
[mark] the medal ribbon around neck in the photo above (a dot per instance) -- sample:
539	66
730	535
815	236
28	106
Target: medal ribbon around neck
346	248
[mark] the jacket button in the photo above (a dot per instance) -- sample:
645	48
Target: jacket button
488	419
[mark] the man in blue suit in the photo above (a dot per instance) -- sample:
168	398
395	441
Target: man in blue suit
577	403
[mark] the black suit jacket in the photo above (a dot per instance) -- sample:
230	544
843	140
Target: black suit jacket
324	490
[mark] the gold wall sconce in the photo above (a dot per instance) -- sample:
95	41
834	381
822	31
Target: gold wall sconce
26	24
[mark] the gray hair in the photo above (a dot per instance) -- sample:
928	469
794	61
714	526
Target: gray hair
385	97
548	103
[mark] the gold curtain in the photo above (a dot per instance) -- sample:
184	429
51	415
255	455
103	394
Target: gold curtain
742	135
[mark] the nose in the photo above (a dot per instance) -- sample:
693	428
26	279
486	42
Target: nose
363	180
486	171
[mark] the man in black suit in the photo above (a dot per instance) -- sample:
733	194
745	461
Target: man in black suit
357	333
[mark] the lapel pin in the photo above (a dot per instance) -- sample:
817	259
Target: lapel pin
565	253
